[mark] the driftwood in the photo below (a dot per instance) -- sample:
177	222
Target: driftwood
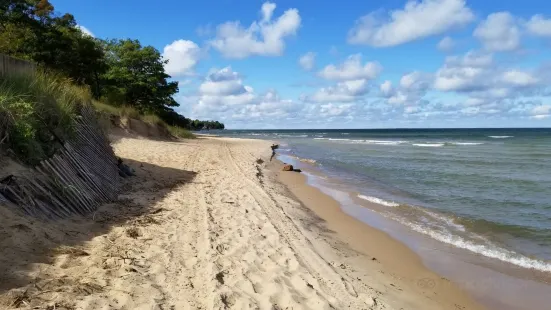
82	175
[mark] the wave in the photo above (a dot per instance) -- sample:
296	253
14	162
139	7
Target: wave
428	144
356	141
333	139
378	201
490	251
500	137
304	160
383	142
399	142
464	143
291	136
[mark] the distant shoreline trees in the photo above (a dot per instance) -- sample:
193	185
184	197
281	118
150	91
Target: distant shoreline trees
119	72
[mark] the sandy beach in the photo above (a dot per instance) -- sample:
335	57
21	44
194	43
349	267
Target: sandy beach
213	224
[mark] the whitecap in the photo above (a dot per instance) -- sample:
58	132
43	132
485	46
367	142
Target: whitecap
490	251
466	143
378	201
429	144
500	137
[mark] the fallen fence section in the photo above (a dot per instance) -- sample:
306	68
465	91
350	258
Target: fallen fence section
77	180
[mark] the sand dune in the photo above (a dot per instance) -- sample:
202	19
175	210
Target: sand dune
203	225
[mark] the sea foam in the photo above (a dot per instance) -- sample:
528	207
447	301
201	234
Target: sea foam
428	144
490	251
378	201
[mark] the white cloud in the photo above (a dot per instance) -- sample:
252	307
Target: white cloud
519	78
223	88
499	32
182	56
415	81
410	90
540	26
477	73
463	73
223	96
386	88
224	82
446	44
541	111
86	31
351	69
307	61
417	20
265	37
346	91
331	110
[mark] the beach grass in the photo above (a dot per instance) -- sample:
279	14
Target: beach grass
153	119
180	132
37	111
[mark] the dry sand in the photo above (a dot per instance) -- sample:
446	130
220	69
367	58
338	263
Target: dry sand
205	224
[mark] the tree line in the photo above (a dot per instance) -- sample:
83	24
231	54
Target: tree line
117	71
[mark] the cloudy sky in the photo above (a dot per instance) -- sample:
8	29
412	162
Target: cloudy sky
345	64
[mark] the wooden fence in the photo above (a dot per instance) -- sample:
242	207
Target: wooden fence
80	177
10	65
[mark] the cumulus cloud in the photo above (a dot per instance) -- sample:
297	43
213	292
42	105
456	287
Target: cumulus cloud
540	26
331	110
223	83
224	88
224	96
499	32
386	88
182	56
346	91
307	61
477	73
351	69
418	19
86	31
265	37
409	91
464	73
541	111
446	44
519	78
492	88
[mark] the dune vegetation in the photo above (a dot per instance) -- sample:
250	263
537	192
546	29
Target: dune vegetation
118	76
37	113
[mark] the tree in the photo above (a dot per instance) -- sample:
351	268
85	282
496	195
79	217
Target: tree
29	29
136	76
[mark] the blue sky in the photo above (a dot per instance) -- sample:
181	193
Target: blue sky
345	64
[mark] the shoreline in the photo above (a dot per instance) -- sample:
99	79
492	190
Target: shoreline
492	284
212	223
386	256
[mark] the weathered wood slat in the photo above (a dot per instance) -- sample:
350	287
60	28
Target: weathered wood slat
85	169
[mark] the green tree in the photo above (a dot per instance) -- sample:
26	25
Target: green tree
136	76
31	30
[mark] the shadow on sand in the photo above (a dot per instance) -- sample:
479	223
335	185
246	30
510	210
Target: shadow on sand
26	244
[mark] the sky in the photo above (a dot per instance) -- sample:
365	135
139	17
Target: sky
344	64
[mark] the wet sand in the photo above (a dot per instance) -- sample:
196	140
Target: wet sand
494	284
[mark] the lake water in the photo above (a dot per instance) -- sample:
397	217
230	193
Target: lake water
487	191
